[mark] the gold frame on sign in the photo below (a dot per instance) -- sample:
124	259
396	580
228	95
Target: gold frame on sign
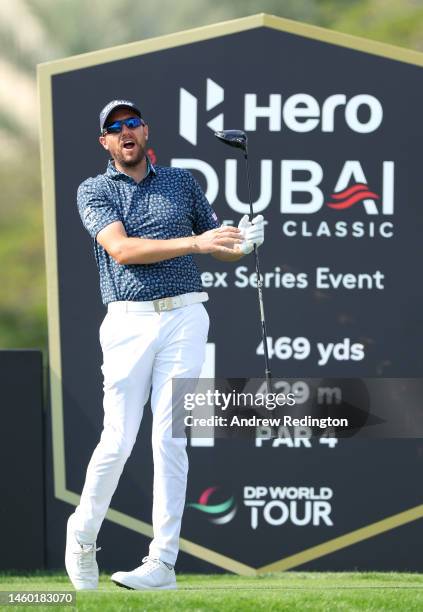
45	73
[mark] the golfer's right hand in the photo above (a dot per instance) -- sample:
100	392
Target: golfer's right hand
223	239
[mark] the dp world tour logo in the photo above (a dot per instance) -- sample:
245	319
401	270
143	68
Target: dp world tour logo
219	513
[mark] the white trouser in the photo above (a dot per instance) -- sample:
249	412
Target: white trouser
143	350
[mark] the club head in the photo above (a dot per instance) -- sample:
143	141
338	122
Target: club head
233	138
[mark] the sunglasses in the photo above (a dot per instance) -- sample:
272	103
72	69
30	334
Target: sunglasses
116	126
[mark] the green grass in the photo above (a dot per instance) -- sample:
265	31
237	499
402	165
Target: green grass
293	591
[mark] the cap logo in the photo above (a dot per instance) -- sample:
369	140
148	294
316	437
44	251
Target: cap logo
116	103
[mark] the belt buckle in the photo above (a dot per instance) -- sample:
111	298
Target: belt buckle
163	304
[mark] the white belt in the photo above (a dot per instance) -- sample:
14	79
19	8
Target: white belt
161	305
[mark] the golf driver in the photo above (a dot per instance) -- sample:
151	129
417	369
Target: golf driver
238	139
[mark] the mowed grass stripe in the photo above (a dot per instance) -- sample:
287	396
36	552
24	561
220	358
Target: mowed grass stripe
297	591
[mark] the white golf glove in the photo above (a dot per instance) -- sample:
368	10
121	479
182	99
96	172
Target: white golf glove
252	233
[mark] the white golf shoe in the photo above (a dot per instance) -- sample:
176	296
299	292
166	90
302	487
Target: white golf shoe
152	574
80	561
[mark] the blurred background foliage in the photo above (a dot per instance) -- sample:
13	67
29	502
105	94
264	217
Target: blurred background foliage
34	31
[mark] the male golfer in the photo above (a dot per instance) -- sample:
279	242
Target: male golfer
146	223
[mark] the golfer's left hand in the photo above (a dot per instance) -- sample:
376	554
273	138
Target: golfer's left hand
252	233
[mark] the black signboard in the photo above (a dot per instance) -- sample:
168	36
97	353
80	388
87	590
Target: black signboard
335	136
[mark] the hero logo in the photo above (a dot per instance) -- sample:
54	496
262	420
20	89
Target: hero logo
188	111
300	112
300	506
299	181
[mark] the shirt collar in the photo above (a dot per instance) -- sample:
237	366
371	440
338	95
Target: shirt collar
114	173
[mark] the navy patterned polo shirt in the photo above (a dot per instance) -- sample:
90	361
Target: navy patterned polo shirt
167	203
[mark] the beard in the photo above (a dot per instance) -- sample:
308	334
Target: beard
130	163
